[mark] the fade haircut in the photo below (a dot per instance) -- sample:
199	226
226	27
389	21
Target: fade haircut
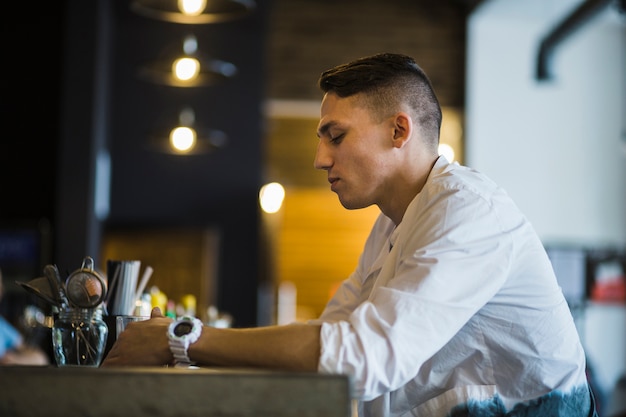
387	81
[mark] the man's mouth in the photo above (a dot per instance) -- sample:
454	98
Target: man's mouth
332	181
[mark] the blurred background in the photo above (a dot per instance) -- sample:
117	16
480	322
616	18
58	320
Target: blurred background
533	92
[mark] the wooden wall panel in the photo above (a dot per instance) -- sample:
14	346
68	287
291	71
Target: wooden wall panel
307	37
318	245
184	261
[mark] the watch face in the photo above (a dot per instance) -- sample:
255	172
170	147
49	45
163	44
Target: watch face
183	328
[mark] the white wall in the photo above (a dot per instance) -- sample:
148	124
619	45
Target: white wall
558	147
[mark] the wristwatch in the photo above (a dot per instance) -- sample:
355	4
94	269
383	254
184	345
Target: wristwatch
181	334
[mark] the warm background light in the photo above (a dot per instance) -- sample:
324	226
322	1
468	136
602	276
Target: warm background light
186	69
447	151
271	197
183	139
191	7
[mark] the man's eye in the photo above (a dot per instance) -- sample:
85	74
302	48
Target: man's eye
337	138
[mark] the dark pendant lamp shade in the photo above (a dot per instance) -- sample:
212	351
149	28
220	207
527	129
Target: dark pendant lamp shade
206	71
210	11
212	72
205	140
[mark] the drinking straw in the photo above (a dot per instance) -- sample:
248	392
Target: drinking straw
116	275
147	273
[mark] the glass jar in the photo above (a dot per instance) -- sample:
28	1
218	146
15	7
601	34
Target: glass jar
79	337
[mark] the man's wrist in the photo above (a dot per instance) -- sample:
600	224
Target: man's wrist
181	334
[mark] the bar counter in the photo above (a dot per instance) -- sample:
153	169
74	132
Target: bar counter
31	391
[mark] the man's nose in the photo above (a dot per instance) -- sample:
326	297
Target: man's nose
322	157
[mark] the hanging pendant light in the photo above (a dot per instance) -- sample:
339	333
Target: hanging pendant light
187	67
193	11
188	138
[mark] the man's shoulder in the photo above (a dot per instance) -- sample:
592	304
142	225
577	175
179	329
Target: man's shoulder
451	177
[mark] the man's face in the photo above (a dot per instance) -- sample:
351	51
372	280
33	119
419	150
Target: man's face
355	151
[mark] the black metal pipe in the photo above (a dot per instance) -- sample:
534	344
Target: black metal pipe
574	21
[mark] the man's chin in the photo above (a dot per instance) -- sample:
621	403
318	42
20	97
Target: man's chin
352	205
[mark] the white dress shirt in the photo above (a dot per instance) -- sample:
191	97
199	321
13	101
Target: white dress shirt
457	306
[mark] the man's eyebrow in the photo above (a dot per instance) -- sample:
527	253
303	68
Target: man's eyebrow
323	129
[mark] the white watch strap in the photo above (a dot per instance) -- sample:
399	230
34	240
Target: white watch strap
179	350
179	345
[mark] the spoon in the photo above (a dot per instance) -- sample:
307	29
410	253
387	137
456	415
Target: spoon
41	288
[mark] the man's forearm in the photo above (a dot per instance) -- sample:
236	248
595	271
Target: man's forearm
293	347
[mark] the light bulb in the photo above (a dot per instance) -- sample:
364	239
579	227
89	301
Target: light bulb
186	69
271	197
183	139
191	7
447	151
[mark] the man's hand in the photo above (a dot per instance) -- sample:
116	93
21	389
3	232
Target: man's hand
142	343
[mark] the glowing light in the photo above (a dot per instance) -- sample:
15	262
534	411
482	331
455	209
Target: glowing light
271	197
190	45
191	7
186	69
183	139
447	151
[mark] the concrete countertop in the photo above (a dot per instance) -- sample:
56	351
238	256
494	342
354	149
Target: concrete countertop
158	392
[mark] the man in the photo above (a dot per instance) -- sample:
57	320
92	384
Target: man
453	309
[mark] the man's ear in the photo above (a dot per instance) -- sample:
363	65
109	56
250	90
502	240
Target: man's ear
403	129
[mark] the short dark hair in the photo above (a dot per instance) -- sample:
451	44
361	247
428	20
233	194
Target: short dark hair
387	80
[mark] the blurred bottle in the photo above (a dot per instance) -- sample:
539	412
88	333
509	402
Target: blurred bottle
189	305
143	306
170	310
158	299
217	319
